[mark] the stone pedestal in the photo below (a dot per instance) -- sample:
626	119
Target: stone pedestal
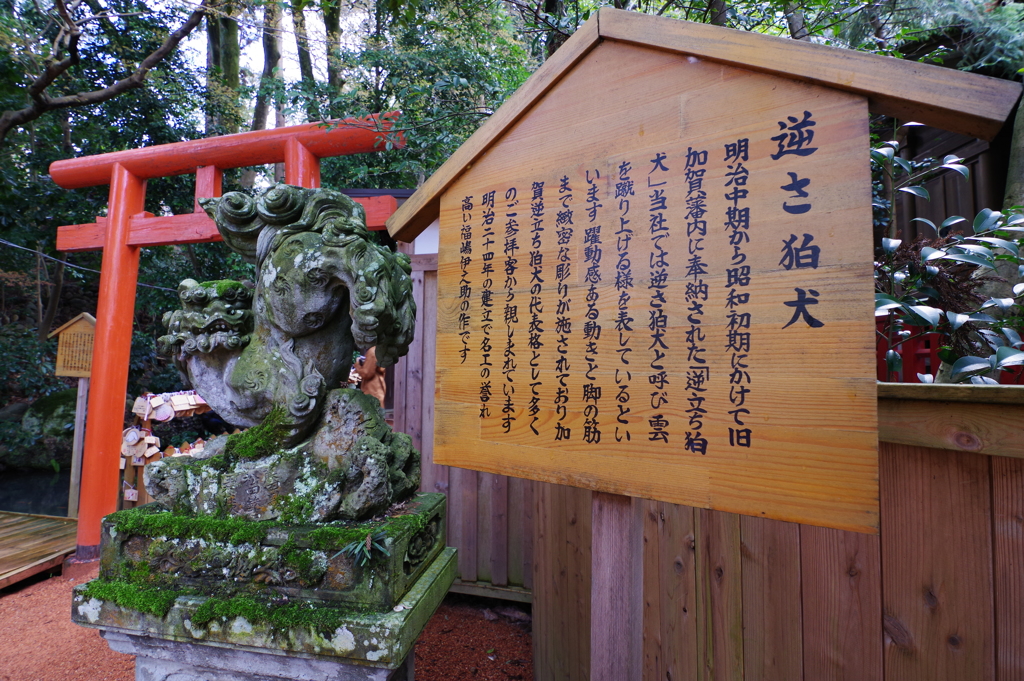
212	600
158	659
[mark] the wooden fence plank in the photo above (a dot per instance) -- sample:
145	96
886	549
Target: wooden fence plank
936	565
499	530
464	515
519	525
841	573
616	594
772	622
529	533
653	644
670	615
484	533
720	596
578	511
435	477
1008	526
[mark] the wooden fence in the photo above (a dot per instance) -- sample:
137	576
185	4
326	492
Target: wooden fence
938	595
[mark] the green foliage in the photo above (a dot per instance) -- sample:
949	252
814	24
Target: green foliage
446	71
934	285
361	550
26	364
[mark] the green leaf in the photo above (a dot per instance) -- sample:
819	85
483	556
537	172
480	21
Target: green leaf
969	258
917	191
977	250
927	222
1018	289
890	245
929	315
882	154
929	253
982	317
1003	304
903	164
893	361
1013	337
956	166
968	365
983	380
1015	219
986	219
956	320
1007	356
953	219
999	243
926	378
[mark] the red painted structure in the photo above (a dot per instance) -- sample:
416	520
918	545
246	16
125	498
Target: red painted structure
126	228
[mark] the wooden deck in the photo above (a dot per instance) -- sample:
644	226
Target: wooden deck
30	544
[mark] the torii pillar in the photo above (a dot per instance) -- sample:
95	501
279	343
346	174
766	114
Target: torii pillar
126	228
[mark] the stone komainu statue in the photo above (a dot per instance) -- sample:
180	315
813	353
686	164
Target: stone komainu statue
268	357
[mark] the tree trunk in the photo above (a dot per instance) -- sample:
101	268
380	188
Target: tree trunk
212	68
305	62
717	12
271	59
1014	194
797	23
332	23
230	53
555	39
54	301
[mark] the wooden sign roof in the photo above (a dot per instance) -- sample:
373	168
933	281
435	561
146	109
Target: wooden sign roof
944	98
84	318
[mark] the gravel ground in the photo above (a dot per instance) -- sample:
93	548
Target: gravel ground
467	639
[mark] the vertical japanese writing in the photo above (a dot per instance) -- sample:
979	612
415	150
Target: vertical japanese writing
795	140
698	373
508	367
658	313
486	301
623	285
591	329
536	331
465	291
737	278
563	324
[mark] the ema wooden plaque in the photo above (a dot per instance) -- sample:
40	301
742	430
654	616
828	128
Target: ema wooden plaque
659	283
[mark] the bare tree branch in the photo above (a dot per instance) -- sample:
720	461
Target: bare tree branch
42	103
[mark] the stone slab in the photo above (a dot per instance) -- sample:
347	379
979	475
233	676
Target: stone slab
373	639
159	659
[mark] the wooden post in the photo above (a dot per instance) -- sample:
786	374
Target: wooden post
77	445
301	166
616	595
112	348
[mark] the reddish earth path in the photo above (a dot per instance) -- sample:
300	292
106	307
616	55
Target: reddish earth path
468	639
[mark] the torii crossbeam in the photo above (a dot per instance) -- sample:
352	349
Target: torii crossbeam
127	227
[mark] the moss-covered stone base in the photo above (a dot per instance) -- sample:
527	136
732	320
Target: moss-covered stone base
149	555
379	638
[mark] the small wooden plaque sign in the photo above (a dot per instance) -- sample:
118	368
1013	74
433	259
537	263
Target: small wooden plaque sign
659	283
74	346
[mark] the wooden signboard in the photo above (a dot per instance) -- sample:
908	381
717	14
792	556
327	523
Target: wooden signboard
658	283
74	346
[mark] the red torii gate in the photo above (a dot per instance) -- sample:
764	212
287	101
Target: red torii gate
126	228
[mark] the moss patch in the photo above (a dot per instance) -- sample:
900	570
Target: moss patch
323	619
259	441
156	602
149	521
222	286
